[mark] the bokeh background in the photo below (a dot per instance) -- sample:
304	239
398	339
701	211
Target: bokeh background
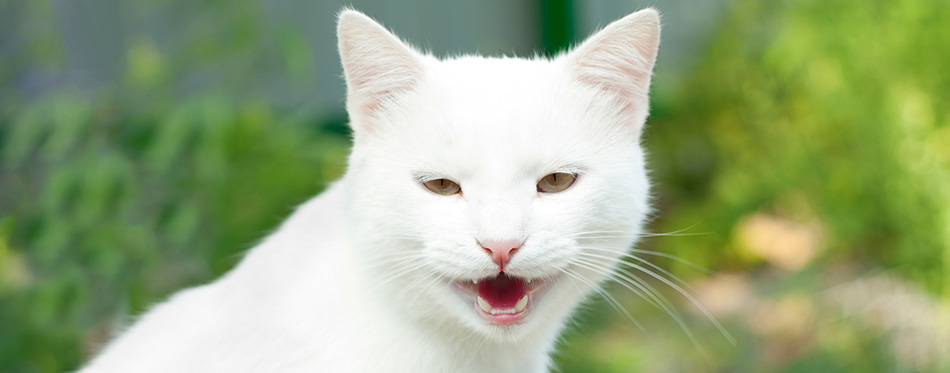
800	151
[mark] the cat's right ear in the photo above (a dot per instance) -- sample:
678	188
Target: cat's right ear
377	66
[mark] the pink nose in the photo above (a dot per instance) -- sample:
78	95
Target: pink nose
501	251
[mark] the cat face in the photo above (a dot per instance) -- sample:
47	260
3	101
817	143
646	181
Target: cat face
495	243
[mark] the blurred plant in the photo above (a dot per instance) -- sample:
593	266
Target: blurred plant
822	114
113	208
114	195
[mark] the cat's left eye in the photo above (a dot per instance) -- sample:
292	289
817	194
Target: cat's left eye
556	182
444	187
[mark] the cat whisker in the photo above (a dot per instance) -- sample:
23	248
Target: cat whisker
426	278
610	274
678	259
679	232
609	298
655	253
375	256
644	261
626	233
397	255
380	262
685	294
673	234
400	271
658	300
599	233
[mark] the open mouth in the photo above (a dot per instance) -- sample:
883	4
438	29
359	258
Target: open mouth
502	299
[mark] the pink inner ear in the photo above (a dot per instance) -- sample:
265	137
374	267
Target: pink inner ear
618	69
377	65
624	83
371	85
619	59
371	105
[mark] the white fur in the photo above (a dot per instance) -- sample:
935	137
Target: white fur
359	278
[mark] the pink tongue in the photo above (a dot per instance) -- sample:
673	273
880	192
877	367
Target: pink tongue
501	291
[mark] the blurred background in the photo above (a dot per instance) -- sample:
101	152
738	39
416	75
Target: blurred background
800	151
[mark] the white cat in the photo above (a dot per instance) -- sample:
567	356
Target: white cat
484	199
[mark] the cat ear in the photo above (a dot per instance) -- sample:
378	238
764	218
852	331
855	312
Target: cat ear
620	58
377	66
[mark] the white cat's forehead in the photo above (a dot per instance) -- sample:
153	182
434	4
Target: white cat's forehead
504	99
476	86
486	108
477	116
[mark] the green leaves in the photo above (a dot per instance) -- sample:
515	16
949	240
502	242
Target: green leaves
115	211
830	102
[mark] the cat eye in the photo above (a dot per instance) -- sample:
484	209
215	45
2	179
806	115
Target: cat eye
556	182
444	187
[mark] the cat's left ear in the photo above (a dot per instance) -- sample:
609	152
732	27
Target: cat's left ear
619	59
377	66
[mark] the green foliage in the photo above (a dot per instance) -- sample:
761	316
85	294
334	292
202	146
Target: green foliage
114	210
110	199
830	112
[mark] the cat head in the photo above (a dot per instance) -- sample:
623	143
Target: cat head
492	194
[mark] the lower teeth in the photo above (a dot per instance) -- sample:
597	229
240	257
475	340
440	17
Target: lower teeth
485	306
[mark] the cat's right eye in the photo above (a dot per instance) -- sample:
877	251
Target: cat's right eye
444	187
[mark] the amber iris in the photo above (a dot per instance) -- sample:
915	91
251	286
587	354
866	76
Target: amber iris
444	187
556	182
